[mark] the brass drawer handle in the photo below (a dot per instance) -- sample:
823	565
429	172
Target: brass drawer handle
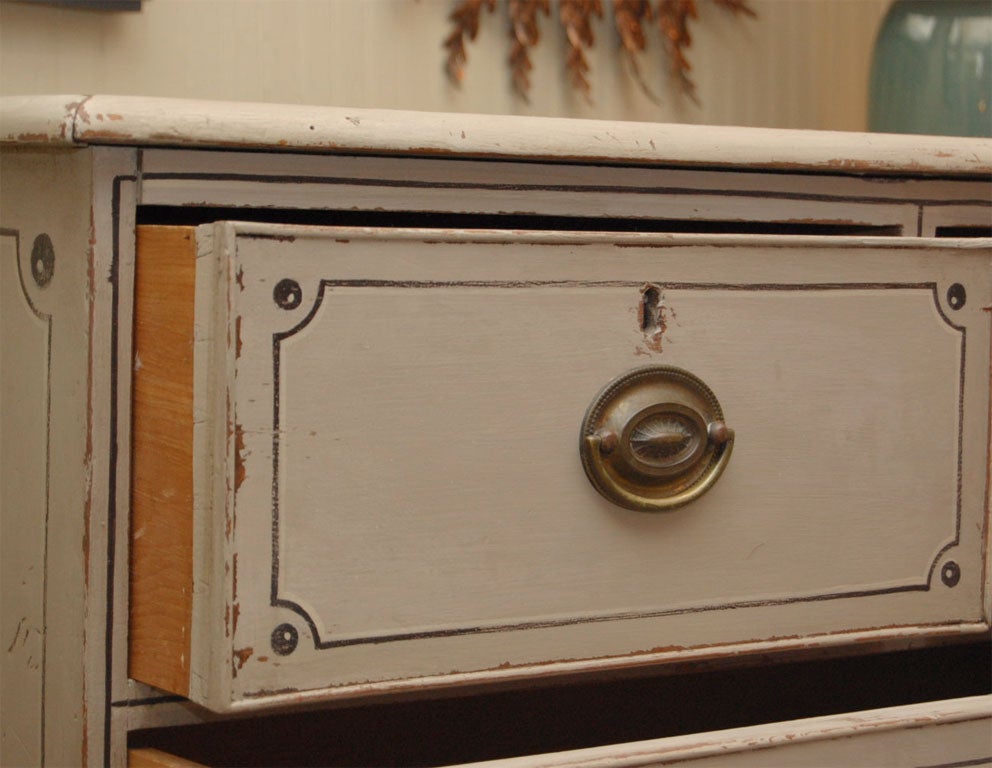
655	439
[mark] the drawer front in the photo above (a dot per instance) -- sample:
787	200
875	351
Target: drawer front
387	473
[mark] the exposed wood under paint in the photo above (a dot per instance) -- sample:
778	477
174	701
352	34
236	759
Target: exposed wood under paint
162	488
156	758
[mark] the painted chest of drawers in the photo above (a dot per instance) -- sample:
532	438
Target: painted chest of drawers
305	407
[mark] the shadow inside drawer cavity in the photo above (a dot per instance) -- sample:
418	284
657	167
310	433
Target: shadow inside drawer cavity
575	715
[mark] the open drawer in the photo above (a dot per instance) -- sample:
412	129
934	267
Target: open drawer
383	459
950	734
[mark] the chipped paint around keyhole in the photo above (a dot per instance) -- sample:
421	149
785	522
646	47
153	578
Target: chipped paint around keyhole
652	316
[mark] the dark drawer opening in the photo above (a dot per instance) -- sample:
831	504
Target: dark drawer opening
584	714
195	215
975	231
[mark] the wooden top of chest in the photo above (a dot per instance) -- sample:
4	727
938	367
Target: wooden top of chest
75	120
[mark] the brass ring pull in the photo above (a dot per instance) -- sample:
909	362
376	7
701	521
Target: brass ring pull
655	439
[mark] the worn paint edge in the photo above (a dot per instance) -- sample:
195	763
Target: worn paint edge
39	120
904	635
131	120
291	232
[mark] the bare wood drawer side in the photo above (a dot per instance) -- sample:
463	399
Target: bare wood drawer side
162	489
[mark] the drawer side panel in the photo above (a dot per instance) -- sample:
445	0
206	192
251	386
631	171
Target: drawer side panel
162	486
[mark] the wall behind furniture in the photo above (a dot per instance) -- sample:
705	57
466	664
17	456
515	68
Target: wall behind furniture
800	64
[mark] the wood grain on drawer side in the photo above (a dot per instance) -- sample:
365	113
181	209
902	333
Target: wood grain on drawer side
154	758
162	479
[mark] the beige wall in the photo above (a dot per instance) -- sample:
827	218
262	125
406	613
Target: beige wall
802	63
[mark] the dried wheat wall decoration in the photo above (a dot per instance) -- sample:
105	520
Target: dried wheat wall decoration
630	17
576	19
465	17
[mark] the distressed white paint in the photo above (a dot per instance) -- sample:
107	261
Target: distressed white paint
186	123
39	119
69	194
183	166
24	390
50	192
427	437
226	179
598	202
113	259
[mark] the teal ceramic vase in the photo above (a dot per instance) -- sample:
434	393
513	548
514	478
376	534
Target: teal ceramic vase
932	69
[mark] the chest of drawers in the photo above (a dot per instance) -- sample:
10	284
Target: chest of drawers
314	406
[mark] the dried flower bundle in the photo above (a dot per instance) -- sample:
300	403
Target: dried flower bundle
525	34
576	19
673	21
465	17
575	16
629	17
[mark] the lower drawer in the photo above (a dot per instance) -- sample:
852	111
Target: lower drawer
381	460
956	732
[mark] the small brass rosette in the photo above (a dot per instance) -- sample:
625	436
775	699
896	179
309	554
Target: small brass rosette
655	439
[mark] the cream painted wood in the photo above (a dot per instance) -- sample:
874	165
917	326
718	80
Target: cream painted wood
50	193
169	175
461	365
70	195
128	121
801	64
115	191
39	119
348	184
85	199
24	411
664	204
938	735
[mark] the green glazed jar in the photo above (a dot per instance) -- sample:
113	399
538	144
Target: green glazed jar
932	69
